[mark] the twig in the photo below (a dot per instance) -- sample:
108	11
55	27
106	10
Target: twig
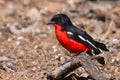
81	60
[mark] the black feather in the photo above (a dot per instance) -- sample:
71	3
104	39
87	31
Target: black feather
101	46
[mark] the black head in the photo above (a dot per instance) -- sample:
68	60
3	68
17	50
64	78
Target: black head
60	19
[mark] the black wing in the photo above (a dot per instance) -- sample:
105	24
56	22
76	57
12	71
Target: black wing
82	37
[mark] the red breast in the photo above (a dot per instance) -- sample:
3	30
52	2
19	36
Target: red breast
67	43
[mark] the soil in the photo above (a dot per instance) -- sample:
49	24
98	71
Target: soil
28	46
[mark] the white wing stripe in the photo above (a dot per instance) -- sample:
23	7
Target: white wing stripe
70	33
81	38
86	41
91	44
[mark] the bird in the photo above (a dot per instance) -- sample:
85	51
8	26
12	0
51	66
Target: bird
72	38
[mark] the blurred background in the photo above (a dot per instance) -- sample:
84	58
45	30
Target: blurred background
28	46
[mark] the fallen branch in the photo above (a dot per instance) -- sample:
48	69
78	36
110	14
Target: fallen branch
82	60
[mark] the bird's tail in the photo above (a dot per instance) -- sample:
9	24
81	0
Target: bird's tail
101	46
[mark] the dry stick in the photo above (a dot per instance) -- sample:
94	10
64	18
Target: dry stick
81	60
62	71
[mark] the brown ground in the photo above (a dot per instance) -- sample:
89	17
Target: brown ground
28	46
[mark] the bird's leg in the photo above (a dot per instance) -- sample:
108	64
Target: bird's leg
69	54
78	53
67	59
89	52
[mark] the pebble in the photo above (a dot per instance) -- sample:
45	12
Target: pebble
36	46
48	27
115	41
58	57
34	69
113	60
9	39
20	38
37	30
18	42
117	59
8	25
44	35
54	48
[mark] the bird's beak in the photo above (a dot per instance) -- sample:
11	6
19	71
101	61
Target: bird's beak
50	22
